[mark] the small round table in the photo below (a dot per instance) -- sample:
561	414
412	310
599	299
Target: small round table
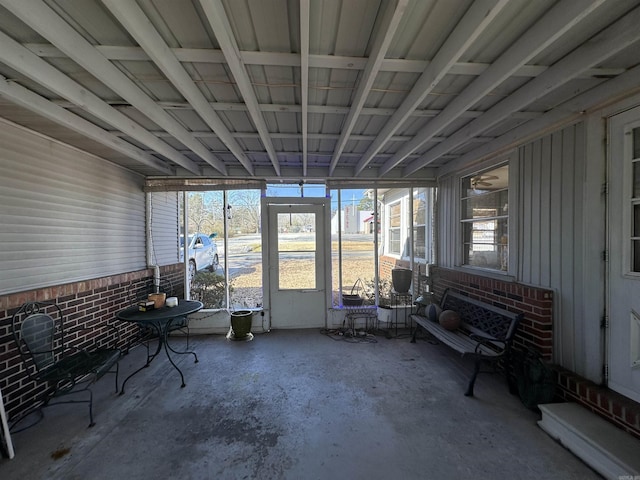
159	320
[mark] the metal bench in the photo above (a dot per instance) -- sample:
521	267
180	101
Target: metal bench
485	333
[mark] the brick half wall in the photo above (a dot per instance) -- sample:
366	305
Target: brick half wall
536	329
90	304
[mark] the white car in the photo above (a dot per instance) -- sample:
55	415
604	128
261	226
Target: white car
203	253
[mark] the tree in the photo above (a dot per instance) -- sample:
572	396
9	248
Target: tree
245	210
205	212
366	203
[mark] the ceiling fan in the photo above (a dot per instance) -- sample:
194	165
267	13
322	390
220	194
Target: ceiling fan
482	181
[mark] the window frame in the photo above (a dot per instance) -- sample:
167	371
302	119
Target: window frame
417	226
397	230
504	238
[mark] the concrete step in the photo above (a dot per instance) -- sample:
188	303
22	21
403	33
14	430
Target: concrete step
607	449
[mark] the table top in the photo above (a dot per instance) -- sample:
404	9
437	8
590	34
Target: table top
184	307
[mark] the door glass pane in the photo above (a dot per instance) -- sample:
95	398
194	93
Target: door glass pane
296	232
635	255
636	179
636	142
296	251
636	220
297	271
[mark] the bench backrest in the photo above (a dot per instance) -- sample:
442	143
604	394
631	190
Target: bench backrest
497	322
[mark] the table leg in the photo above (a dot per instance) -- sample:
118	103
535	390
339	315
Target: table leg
149	358
168	345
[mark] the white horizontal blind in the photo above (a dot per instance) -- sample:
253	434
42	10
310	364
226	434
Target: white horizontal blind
65	215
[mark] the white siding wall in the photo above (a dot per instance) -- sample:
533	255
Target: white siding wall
447	222
64	215
164	228
561	235
559	222
550	231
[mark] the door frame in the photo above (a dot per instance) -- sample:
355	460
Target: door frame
619	274
323	244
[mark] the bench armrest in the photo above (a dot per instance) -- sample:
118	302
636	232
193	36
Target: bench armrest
487	341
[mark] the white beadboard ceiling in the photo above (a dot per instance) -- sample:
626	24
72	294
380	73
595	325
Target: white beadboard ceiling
309	89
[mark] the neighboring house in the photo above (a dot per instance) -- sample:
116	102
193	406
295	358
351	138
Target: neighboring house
352	220
405	220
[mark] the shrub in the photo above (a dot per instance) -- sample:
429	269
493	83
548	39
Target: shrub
384	291
209	288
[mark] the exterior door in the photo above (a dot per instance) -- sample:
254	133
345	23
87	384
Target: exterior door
623	349
296	262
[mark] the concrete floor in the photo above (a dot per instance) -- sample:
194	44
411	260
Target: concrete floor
296	404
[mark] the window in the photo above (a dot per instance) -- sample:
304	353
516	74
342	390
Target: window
395	211
485	219
635	200
419	223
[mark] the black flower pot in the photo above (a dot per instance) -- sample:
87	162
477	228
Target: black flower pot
241	323
401	279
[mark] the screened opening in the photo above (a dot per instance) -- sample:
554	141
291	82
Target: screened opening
370	230
231	219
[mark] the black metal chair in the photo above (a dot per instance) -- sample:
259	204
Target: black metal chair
43	343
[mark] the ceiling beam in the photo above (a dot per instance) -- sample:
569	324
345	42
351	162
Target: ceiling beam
217	17
554	23
257	154
40	105
22	60
297	136
39	16
606	44
571	111
389	25
320	109
304	78
133	19
474	22
279	59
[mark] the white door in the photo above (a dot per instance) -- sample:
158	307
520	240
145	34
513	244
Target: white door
623	349
296	260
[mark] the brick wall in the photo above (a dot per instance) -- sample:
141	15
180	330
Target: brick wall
617	409
536	329
535	332
90	304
